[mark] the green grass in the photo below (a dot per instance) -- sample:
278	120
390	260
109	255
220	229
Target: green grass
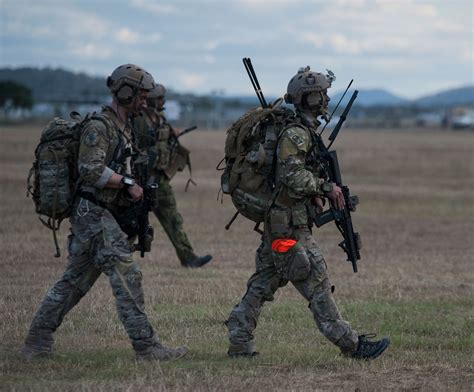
286	337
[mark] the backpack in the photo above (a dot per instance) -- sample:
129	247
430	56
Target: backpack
250	150
53	178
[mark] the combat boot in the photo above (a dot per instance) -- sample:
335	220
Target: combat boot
159	352
367	349
242	351
37	345
198	261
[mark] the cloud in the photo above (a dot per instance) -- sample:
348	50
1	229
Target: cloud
380	40
190	80
385	28
93	51
154	38
127	36
150	6
211	45
267	3
209	59
35	20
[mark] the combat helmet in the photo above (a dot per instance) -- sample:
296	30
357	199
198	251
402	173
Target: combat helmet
306	81
158	91
156	97
127	79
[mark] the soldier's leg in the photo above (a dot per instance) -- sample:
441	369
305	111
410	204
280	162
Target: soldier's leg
76	281
113	256
244	316
316	288
172	222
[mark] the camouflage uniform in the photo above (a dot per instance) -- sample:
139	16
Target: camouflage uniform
303	265
162	155
97	244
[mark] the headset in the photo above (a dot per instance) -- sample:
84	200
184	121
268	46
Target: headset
125	93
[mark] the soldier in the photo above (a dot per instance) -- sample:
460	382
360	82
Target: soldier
288	252
97	243
167	155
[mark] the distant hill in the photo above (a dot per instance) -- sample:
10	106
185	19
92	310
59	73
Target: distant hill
372	97
49	84
54	85
458	96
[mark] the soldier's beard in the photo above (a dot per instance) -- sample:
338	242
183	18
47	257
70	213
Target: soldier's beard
318	111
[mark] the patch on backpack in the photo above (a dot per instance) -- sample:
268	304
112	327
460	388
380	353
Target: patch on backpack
91	139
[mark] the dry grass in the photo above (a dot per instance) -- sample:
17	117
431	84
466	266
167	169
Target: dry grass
415	281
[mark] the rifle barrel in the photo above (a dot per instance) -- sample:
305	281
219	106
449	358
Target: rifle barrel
187	130
343	117
334	111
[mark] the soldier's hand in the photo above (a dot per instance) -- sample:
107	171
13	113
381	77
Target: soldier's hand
319	204
136	193
336	197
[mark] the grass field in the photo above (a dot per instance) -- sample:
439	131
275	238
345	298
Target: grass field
415	281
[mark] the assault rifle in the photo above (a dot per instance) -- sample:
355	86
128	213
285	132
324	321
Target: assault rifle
144	230
187	130
351	243
174	139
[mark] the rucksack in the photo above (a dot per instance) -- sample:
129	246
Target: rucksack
53	178
250	159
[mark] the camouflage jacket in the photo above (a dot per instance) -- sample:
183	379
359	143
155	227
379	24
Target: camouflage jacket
297	173
103	151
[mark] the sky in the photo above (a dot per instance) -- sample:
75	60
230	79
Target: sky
411	48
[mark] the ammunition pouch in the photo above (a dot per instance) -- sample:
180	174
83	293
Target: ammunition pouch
299	216
279	223
147	239
179	160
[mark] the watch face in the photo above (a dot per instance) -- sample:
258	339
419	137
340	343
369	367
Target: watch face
327	187
128	181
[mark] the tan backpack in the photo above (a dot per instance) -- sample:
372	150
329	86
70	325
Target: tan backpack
52	180
250	150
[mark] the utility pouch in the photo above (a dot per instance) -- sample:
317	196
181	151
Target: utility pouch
294	264
299	216
146	241
178	161
279	223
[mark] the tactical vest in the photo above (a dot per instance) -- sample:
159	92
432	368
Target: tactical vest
163	151
166	154
115	159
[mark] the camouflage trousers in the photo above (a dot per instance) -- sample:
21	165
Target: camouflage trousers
307	271
172	221
96	245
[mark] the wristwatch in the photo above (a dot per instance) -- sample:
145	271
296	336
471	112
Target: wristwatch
127	182
326	187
